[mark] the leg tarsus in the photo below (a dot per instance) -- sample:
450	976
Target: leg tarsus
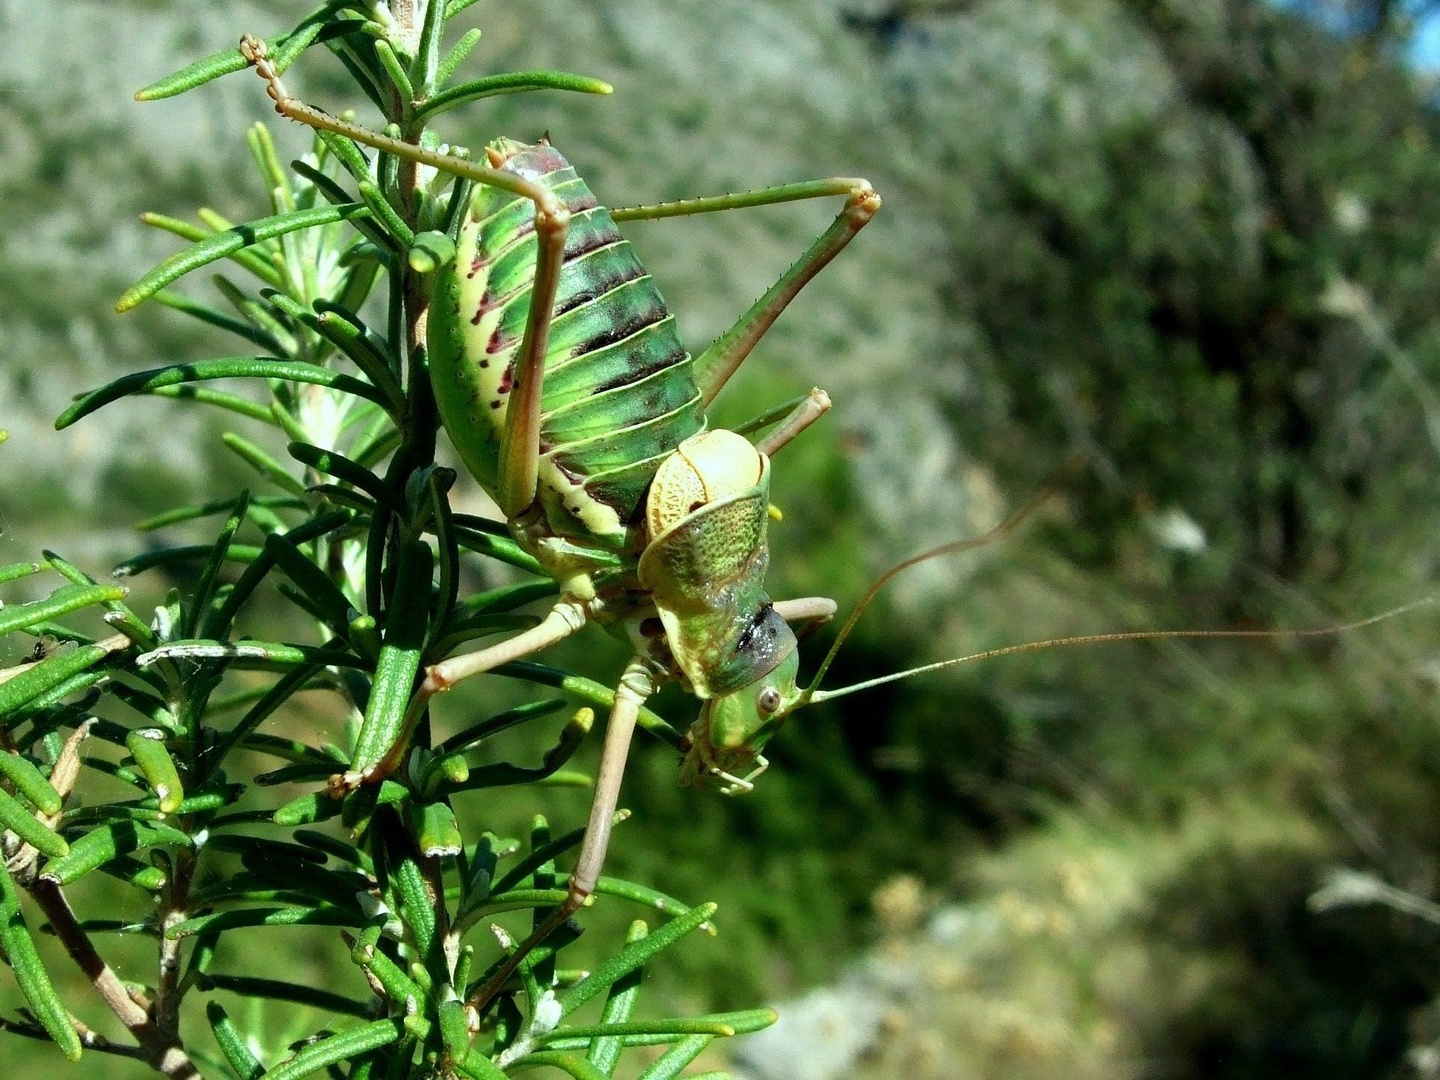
564	619
812	407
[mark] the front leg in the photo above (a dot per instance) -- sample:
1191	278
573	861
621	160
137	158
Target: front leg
563	620
636	685
810	408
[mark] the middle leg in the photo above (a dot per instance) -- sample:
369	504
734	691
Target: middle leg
636	685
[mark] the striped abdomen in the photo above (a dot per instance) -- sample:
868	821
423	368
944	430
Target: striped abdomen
619	394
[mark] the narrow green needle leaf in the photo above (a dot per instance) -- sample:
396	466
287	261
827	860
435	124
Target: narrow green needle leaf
251	917
318	526
30	973
307	810
243	655
430	251
257	503
252	260
386	714
577	1067
497	547
206	314
455	7
147	747
63	600
150	879
346	1046
571	736
599	695
477	1066
268	702
263	463
604	1050
651	898
335	607
240	553
232	1044
514	82
417	907
392	67
374	196
193	75
668	1065
30	782
676	1026
456	56
283	991
348	154
230	367
108	842
436	830
285	48
634	955
16	571
210	573
347	333
117	614
342	468
219	398
397	985
427	55
223	244
35	685
17	817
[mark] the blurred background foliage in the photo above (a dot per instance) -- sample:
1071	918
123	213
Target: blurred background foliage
1190	244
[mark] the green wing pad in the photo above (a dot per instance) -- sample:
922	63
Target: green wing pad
716	545
707	578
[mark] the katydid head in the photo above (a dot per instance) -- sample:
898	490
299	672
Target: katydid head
705	571
733	728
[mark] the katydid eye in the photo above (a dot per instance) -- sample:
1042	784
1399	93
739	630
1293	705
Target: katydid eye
769	700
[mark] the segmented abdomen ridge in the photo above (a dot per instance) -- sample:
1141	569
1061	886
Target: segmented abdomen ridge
619	394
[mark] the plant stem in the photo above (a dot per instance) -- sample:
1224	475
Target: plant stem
158	1048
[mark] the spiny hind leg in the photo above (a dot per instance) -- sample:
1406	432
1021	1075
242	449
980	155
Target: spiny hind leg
716	364
520	439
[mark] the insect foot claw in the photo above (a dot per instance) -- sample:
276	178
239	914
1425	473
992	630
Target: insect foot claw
863	204
734	785
258	56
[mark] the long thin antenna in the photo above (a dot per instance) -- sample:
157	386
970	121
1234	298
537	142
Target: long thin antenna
1095	639
1005	528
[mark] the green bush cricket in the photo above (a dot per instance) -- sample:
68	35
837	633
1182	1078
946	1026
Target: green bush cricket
566	392
561	381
